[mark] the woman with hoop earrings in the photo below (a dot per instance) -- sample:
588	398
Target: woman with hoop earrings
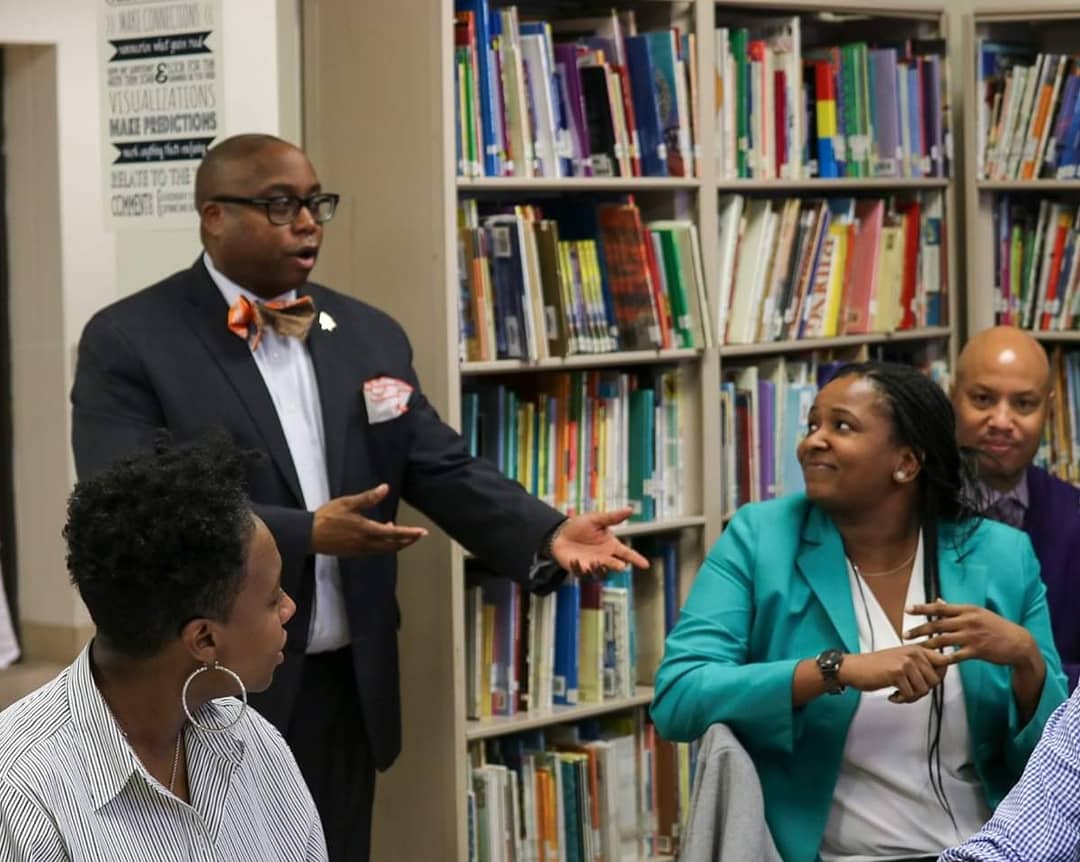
144	748
884	655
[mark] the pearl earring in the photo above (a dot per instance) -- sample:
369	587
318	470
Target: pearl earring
900	475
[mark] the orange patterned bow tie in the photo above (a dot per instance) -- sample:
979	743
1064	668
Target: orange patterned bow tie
249	319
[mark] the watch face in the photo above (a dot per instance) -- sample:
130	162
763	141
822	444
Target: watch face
830	659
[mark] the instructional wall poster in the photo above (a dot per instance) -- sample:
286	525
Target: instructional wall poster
162	98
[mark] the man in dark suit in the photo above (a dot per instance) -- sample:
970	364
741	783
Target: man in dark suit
324	385
1002	396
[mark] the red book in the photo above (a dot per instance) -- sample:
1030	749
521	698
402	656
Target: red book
912	210
780	120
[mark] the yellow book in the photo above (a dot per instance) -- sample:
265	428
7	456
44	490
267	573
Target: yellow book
834	297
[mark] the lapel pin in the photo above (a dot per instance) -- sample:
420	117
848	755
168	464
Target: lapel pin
327	322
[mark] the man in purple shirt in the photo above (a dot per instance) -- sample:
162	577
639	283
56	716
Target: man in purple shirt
1002	395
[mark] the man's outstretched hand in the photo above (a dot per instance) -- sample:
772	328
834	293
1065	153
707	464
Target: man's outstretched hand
341	530
585	545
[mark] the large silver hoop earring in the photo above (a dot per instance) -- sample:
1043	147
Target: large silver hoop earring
206	728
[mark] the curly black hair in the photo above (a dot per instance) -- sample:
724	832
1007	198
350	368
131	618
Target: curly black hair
159	538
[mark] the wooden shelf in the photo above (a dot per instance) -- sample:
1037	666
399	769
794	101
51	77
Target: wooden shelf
649	528
1014	13
839	184
1064	336
643	528
930	333
1028	185
502	725
928	11
582	360
575	184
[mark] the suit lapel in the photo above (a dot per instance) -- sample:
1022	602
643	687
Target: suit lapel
208	320
964	583
821	562
341	373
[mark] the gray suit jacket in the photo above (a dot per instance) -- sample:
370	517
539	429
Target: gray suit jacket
727	812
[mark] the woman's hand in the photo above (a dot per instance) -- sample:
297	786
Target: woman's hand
979	633
976	633
911	670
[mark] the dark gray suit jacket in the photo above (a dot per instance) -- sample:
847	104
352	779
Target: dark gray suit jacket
165	358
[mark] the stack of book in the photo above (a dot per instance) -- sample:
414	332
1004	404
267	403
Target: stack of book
571	97
1028	116
577	277
580	793
1036	265
764	410
586	441
1060	449
853	110
802	268
592	640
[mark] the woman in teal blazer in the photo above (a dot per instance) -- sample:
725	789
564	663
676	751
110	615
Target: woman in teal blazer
777	638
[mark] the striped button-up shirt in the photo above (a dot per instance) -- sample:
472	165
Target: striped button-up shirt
71	788
1039	821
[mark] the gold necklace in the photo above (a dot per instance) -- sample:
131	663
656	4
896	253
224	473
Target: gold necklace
882	574
175	760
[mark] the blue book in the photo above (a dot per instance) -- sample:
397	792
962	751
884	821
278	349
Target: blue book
507	273
488	96
1056	144
646	109
567	625
914	120
1066	169
664	57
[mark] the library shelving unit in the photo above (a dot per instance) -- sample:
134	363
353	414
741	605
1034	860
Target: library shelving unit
886	24
379	126
1043	28
379	120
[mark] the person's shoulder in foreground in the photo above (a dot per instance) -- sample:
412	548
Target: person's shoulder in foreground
1039	821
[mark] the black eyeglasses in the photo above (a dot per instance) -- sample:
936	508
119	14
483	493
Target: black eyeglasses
283	209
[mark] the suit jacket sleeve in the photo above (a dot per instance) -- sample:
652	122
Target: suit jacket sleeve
114	407
115	410
704	677
491	515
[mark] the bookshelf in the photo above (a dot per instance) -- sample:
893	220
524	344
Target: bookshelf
1040	29
379	91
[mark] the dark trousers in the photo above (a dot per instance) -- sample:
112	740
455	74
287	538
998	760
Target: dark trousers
327	737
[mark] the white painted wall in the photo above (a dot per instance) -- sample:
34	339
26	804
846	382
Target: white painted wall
260	59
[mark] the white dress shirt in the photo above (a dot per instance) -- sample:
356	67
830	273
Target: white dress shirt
286	368
884	805
73	790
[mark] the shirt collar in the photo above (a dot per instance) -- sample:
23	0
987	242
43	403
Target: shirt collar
1019	493
233	291
110	760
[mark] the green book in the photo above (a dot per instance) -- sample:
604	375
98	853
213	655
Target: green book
676	285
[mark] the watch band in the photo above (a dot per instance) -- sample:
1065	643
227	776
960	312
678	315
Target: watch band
828	663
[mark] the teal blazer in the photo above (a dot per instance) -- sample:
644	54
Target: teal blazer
774	590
